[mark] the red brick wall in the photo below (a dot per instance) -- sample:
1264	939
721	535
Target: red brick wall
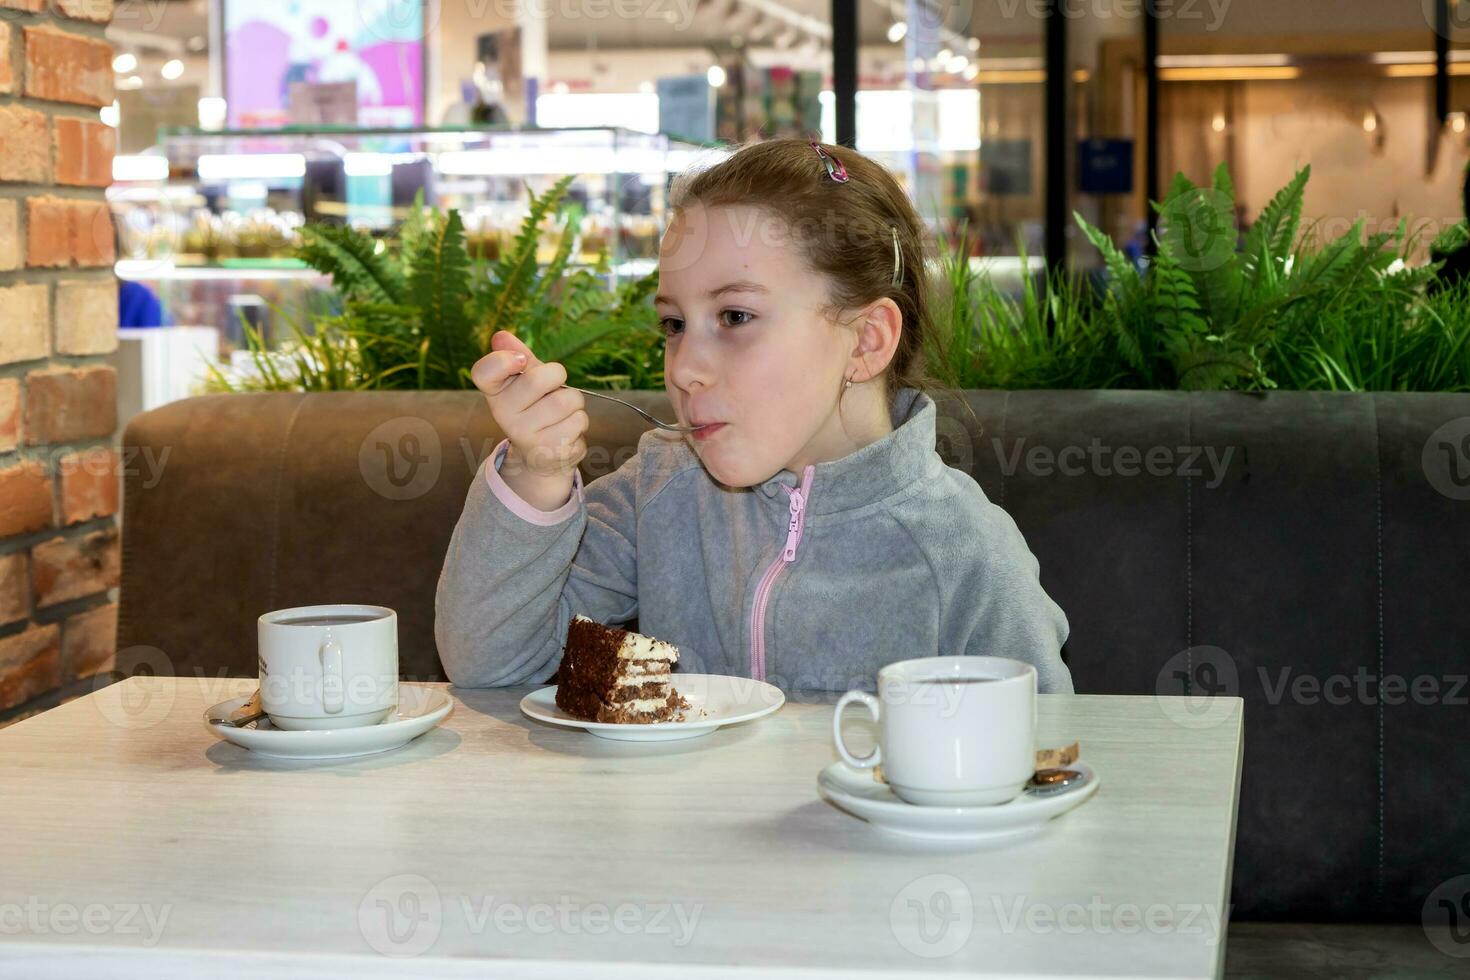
58	323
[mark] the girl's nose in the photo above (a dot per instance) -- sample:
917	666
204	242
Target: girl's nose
689	367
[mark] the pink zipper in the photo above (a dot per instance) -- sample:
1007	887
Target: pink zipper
794	530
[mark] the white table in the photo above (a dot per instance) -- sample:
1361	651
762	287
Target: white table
135	843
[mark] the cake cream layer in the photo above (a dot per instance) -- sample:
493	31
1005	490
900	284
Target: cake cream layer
638	680
638	647
645	704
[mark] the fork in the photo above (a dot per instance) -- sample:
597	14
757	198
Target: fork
598	394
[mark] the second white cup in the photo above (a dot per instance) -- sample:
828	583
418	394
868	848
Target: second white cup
954	731
328	666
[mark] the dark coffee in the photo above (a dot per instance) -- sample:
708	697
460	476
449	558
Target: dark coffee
326	620
956	680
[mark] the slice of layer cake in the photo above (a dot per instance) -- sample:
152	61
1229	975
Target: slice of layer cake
618	676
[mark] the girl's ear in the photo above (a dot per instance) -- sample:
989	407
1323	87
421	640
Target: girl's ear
879	330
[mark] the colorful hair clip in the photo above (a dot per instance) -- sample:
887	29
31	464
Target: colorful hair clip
835	169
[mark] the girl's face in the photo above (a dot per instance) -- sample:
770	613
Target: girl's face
747	345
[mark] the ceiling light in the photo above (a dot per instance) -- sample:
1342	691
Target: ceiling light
124	63
716	76
172	69
212	111
896	31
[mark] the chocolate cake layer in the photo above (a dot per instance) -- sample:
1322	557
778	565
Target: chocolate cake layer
640	692
617	676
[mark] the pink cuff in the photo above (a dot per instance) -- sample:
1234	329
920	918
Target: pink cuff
518	506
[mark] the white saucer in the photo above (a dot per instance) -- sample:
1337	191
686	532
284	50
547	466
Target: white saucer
419	709
857	792
714	700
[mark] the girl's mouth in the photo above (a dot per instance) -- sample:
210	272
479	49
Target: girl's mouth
705	431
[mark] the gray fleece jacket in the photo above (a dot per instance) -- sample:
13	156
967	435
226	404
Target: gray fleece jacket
810	581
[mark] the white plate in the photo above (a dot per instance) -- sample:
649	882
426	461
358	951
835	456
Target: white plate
419	709
857	792
714	700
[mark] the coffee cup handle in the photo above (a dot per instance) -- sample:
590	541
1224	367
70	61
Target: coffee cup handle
872	758
331	657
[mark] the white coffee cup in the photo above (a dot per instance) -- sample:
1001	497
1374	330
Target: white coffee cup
953	731
328	666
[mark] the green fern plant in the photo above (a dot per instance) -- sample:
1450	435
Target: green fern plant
1278	306
417	310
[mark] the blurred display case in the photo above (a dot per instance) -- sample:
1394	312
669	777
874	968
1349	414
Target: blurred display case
210	220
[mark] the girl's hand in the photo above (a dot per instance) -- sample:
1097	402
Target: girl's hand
546	423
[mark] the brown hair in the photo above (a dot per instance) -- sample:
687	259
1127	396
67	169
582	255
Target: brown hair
852	247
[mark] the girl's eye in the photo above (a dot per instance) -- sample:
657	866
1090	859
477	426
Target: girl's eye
667	321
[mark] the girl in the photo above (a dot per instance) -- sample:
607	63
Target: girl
808	533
